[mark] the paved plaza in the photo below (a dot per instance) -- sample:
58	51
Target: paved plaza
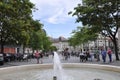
72	59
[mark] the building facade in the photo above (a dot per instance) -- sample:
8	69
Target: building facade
101	42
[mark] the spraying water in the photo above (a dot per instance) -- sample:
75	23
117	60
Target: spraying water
58	70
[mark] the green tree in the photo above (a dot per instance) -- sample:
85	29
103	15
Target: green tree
38	37
15	17
35	44
81	36
46	43
101	14
34	34
53	48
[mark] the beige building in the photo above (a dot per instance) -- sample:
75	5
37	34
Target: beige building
102	42
61	43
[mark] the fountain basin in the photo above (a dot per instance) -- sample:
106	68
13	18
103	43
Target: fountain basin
74	71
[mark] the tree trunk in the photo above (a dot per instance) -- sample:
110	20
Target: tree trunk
23	49
2	48
116	48
2	45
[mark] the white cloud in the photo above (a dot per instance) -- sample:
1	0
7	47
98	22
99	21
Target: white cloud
54	11
59	17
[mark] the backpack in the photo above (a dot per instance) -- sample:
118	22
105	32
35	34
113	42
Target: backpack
109	52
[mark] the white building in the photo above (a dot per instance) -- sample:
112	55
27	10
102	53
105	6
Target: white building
61	43
102	42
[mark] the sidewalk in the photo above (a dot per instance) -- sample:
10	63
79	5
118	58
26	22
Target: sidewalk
49	59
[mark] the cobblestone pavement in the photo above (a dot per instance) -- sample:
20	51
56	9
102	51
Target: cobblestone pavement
72	59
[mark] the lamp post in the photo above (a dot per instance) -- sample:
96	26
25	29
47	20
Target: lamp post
60	41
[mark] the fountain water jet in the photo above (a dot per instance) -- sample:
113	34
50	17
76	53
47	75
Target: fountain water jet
58	70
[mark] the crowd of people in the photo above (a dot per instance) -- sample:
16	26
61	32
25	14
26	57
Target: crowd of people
8	57
88	55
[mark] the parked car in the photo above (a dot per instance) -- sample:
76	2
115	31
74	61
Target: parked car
1	59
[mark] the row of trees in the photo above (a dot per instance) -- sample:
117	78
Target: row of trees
82	35
17	26
100	16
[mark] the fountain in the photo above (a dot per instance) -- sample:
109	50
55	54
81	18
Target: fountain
66	71
59	73
57	67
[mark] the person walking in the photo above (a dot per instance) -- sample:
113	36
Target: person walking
103	53
37	56
41	57
109	52
97	55
66	54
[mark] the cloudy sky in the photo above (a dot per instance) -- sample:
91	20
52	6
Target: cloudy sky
54	15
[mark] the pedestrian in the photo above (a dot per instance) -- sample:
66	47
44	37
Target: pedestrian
109	52
66	54
103	53
82	57
37	56
41	57
97	55
52	52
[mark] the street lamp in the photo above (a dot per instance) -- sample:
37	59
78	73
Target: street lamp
60	41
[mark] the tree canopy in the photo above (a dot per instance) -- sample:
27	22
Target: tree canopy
38	37
18	27
82	35
103	15
15	17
